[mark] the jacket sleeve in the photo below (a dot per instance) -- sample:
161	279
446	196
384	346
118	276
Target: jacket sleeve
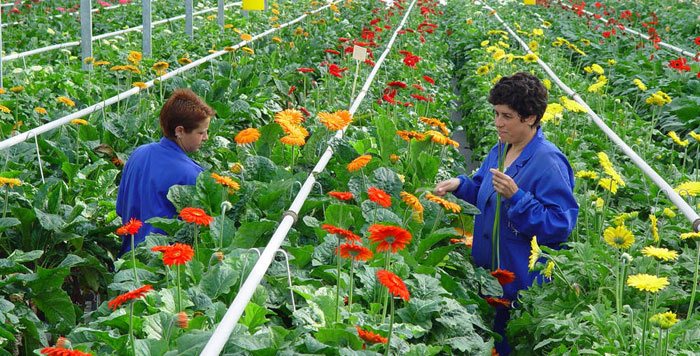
468	188
550	211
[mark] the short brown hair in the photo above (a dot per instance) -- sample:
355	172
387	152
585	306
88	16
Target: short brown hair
183	108
522	92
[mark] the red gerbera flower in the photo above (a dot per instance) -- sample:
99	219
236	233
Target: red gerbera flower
429	79
130	228
304	111
343	39
389	96
397	83
196	216
341	195
59	351
370	337
394	284
421	98
697	40
291	89
498	302
379	196
305	70
374	21
419	87
332	51
504	276
131	295
411	60
389	237
177	254
356	252
336	71
347	234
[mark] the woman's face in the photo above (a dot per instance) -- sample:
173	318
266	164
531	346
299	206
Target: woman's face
192	141
510	127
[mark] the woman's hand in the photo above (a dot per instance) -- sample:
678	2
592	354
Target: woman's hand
446	186
503	183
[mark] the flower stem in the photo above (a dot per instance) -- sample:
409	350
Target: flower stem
695	279
133	261
131	329
179	297
337	287
352	268
391	327
644	325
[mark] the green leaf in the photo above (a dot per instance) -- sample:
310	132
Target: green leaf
338	338
254	233
436	256
209	193
386	131
157	326
423	350
6	223
191	343
150	347
427	242
425	287
49	222
181	195
170	226
218	280
344	215
428	165
57	307
419	312
254	317
259	168
21	256
387	180
302	255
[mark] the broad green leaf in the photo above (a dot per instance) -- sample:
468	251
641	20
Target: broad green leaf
170	226
157	326
338	338
302	255
70	261
49	222
151	347
387	180
8	222
428	165
218	280
254	317
21	256
343	215
419	312
57	307
259	168
371	212
427	242
209	194
424	287
254	233
386	131
423	350
437	255
191	343
181	195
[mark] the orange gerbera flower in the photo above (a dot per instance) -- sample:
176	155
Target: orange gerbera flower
436	123
334	122
177	254
389	237
394	283
130	228
408	135
182	320
196	216
498	302
292	116
347	234
379	196
358	163
247	136
504	276
131	295
356	252
226	182
293	140
59	351
341	195
413	202
370	337
437	137
448	205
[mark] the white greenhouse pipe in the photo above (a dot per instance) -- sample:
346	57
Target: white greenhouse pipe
121	96
662	44
228	322
104	35
672	195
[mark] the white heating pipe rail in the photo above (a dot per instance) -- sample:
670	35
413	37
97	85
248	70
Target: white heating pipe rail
228	322
662	44
107	35
121	96
675	198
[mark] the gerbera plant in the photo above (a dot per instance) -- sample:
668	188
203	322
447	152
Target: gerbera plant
396	288
131	228
126	297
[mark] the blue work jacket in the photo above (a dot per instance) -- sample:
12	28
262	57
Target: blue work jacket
148	175
544	206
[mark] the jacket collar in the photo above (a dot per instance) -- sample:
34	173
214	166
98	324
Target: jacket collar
170	145
527	152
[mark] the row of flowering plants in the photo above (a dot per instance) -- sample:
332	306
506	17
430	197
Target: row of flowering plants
627	282
375	259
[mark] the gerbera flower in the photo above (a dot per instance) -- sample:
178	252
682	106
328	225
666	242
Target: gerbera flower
248	50
429	79
134	57
79	122
333	121
674	136
293	140
394	284
530	58
356	252
160	66
413	202
246	37
358	163
291	116
411	60
226	182
618	237
688	189
11	182
347	234
690	235
397	84
5	109
39	110
503	276
548	269
379	196
639	84
571	105
17	89
305	70
646	282
654	227
370	337
66	101
389	237
498	302
535	253
184	61
336	71
247	136
695	135
587	175
608	184
177	254
659	99
140	85
448	205
182	320
59	351
408	135
196	216
131	295
664	320
394	158
660	253
130	228
341	195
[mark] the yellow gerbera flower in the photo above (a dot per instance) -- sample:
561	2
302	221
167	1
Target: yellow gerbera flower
690	235
134	57
669	213
587	175
5	109
654	227
66	101
530	58
659	98
647	282
79	122
248	50
547	84
39	110
639	84
246	37
548	269
618	237
535	253
664	320
597	69
695	135
660	253
688	189
140	85
674	136
608	184
483	70
571	105
609	169
446	204
414	203
11	182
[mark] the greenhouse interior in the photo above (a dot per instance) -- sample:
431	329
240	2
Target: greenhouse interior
349	177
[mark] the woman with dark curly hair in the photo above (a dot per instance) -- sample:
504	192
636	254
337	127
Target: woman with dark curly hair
536	189
155	167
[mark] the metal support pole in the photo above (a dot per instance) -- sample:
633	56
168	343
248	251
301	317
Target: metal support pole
86	32
188	19
220	15
147	26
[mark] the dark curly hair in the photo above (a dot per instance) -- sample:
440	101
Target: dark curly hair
183	108
522	92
